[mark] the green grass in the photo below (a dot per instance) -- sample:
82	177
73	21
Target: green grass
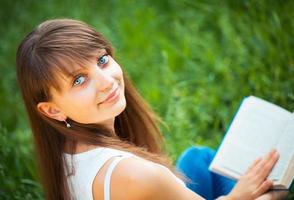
193	61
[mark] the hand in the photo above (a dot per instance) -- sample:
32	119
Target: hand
253	183
274	195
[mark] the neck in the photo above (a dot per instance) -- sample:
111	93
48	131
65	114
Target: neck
109	123
83	146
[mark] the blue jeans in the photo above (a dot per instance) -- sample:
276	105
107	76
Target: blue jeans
194	163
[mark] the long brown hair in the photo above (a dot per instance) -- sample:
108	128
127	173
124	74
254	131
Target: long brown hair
53	47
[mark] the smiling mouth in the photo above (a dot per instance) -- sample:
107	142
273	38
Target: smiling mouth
111	97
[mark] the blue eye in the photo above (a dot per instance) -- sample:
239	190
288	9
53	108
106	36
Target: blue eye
79	80
103	60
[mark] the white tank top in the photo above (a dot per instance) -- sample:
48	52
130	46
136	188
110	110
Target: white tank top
85	167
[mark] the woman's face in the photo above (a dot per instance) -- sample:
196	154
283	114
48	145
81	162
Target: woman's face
94	94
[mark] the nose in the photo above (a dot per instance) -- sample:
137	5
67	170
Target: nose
104	81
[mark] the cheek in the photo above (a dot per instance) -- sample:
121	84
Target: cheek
118	74
82	99
116	69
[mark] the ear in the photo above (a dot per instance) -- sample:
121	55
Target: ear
49	109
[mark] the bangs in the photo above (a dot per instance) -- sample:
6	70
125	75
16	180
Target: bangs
61	65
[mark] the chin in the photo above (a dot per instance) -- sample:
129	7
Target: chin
122	107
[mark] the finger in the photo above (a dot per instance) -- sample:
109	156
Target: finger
268	166
266	196
270	158
279	194
276	195
258	160
265	186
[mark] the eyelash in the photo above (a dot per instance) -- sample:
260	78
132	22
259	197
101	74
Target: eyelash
99	64
77	77
102	64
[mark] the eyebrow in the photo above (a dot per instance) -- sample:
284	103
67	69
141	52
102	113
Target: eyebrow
96	56
74	73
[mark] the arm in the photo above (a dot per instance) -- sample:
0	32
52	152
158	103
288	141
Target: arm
135	178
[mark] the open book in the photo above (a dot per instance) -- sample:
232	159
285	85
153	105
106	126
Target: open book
257	128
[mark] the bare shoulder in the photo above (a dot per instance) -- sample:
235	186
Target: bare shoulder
136	178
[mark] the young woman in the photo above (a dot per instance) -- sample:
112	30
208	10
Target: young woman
95	136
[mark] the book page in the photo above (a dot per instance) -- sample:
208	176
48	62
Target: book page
285	148
255	130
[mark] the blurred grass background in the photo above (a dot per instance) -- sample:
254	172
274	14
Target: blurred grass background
194	61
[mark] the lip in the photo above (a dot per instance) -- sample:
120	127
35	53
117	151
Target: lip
111	97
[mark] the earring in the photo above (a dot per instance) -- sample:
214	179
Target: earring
67	124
